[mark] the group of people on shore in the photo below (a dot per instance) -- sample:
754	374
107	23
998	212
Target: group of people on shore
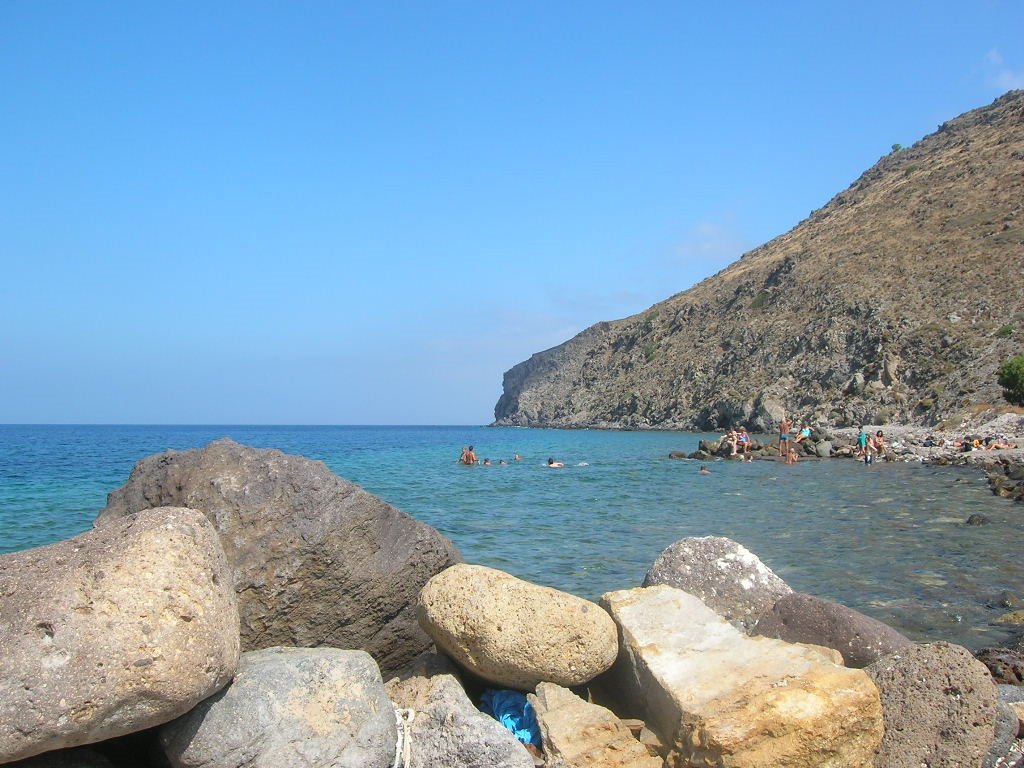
787	441
740	442
870	446
990	443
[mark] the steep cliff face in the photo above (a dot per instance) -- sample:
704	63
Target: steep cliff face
897	302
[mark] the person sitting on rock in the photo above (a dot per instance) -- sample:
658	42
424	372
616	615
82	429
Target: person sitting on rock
804	434
744	441
879	443
732	440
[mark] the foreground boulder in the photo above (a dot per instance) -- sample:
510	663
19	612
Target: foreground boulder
316	559
113	631
447	730
719	698
578	734
799	618
726	576
288	707
514	633
81	757
940	707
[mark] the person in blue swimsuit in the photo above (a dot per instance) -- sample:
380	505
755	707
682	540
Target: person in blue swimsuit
784	426
744	441
862	446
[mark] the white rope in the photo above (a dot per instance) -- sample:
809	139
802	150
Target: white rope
403	747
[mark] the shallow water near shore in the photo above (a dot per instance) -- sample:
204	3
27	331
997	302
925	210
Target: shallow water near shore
888	539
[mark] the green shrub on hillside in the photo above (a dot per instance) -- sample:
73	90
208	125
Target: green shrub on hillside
1011	379
1004	331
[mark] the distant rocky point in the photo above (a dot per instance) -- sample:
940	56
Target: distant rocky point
895	303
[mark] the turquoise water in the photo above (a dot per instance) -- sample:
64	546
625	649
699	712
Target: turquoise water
888	540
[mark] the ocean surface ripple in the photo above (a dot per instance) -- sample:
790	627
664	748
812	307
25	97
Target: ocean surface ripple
888	540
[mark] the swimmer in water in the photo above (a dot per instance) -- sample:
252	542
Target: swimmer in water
555	464
704	469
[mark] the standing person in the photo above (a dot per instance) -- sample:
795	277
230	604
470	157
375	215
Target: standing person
467	457
862	445
784	427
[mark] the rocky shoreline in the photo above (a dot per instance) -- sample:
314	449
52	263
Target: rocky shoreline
1004	466
240	607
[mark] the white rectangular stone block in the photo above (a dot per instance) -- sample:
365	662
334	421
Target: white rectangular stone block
723	699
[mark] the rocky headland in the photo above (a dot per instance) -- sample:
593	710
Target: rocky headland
895	303
240	607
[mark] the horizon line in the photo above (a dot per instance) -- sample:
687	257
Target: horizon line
215	424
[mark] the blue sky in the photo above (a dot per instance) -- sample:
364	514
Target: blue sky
342	213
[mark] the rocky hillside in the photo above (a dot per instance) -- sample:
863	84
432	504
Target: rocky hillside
896	302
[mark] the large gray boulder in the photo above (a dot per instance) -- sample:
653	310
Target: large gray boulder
939	704
799	618
514	633
726	576
317	561
290	707
447	730
113	631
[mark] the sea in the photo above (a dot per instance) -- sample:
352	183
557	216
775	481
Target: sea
889	540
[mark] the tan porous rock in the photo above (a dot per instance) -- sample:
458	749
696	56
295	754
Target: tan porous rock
113	631
720	698
515	633
578	734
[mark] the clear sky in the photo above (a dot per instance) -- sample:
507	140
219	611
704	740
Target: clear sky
364	213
